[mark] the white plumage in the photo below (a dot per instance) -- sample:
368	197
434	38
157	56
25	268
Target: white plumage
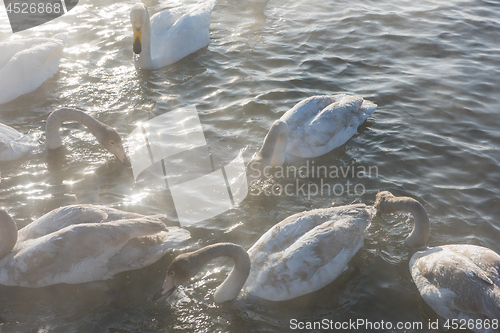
82	243
27	63
14	145
169	35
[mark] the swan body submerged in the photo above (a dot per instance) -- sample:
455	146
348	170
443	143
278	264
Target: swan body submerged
319	124
14	145
81	243
27	63
313	127
301	254
456	281
169	35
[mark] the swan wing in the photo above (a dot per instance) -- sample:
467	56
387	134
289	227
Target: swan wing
164	20
189	33
306	251
143	251
25	70
63	217
459	281
78	253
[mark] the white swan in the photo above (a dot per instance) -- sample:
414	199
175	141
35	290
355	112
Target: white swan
27	63
14	145
456	281
81	243
301	254
313	127
170	35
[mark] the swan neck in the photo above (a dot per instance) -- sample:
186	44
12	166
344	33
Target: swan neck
274	146
421	230
144	60
230	288
8	234
56	118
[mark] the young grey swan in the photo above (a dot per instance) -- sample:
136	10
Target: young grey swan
107	136
81	243
313	127
301	254
456	281
187	265
14	145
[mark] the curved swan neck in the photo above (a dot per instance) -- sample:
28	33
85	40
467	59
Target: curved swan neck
56	118
387	203
8	233
274	146
272	153
230	288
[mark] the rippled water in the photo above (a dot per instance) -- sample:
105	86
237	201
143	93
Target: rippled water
432	66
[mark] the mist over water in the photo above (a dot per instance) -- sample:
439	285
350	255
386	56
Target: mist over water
432	67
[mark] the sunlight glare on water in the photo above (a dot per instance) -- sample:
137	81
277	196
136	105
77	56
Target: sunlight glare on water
432	67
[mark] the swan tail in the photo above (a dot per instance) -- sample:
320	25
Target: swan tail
368	107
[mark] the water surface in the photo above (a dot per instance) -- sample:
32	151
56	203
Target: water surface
432	66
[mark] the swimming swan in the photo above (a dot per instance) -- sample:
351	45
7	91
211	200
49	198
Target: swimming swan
81	243
456	281
313	127
301	254
27	63
14	145
170	35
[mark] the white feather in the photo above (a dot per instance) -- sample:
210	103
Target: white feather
26	64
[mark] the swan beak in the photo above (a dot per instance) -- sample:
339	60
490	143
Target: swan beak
137	40
119	152
167	290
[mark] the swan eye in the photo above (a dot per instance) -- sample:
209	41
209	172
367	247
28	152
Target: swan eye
113	143
171	273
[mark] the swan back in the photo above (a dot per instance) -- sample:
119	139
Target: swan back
459	281
170	35
77	244
319	124
179	33
306	251
25	65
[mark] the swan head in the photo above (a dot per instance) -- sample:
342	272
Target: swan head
8	233
138	17
387	203
180	271
111	140
382	202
